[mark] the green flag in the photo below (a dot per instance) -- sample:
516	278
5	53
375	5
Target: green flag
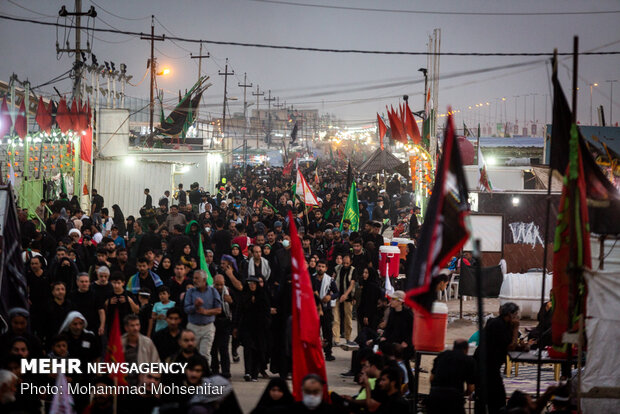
265	201
351	209
327	213
203	261
63	186
201	253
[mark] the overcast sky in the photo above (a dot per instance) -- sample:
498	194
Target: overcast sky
29	50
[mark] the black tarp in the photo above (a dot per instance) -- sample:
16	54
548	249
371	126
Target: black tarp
492	279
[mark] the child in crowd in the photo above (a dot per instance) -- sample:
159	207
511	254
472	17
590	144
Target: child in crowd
159	310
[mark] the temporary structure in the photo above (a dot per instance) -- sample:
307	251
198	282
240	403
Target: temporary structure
379	161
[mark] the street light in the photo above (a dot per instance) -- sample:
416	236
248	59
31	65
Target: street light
592	85
611	96
164	72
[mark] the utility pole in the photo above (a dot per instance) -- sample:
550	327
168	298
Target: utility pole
153	65
226	74
245	87
77	50
611	102
200	57
258	95
269	100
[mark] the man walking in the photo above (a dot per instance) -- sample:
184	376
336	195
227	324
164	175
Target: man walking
326	291
202	304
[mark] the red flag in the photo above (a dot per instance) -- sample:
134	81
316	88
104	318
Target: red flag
114	352
86	145
5	119
412	126
74	116
63	118
396	127
82	118
85	189
288	168
43	117
306	340
21	128
382	129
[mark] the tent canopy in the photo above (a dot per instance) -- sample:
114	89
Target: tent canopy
379	161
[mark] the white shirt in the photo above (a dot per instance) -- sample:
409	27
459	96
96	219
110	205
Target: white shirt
107	227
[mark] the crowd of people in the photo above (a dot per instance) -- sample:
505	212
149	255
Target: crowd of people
203	277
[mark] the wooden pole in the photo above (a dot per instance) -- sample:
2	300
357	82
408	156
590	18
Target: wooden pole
546	247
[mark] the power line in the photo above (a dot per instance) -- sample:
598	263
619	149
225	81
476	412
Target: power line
117	16
30	10
317	49
451	13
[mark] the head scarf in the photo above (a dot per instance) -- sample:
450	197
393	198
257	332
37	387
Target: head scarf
70	317
230	259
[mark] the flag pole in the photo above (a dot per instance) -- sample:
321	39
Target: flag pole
546	248
482	390
115	396
573	270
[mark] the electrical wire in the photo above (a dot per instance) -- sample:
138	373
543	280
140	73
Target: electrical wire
120	17
30	10
451	13
317	49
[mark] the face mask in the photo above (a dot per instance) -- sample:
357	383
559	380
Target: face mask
286	243
207	229
312	401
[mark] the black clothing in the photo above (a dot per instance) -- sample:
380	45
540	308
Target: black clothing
88	304
102	292
367	306
97	201
145	313
182	197
124	309
54	317
195	197
268	406
399	327
499	337
221	240
177	289
165	343
324	408
85	347
451	369
394	404
254	313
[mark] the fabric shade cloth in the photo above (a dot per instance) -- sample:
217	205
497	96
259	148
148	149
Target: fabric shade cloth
492	279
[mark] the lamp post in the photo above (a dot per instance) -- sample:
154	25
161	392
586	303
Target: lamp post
611	95
592	85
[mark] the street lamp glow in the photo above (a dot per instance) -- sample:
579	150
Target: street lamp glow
595	84
164	72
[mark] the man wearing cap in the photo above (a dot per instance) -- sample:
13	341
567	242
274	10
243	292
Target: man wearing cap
399	324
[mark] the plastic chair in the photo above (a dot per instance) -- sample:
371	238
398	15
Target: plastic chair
453	283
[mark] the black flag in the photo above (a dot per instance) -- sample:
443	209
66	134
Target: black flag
294	134
444	231
349	176
12	275
597	185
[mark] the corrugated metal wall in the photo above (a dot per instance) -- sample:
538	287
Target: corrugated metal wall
122	183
